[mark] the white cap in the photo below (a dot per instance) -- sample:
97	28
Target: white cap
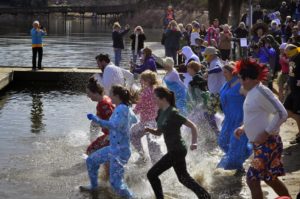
36	22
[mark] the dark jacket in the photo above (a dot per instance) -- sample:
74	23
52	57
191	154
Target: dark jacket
141	40
241	33
149	64
199	82
117	38
172	38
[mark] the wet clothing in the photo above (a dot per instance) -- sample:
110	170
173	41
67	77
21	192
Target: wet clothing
117	153
215	78
177	161
173	82
267	164
236	150
137	133
146	106
104	111
147	109
169	122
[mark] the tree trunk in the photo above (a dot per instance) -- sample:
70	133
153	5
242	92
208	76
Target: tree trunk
225	9
213	9
236	12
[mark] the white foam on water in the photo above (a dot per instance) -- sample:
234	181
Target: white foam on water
77	138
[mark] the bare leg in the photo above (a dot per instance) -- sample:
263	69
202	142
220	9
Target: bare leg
255	189
278	186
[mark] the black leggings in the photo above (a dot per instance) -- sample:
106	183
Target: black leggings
175	159
37	51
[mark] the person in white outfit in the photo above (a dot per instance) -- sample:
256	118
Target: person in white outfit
263	115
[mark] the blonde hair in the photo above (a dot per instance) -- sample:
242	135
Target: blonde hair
150	77
116	25
194	66
138	27
174	23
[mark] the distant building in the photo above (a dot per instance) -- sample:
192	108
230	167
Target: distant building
25	3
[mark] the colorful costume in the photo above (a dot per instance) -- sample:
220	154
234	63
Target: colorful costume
117	153
104	110
173	82
147	109
236	150
263	112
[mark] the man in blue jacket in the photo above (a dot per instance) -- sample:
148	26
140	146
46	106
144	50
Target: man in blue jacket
37	34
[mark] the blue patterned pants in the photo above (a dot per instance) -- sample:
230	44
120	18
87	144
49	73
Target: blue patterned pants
116	171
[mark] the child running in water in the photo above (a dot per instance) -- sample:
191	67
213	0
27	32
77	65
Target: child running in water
118	152
169	122
147	109
104	110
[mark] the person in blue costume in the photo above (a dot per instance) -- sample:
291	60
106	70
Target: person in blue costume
174	83
236	150
118	152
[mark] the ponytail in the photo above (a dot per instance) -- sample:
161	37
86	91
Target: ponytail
164	93
172	99
127	97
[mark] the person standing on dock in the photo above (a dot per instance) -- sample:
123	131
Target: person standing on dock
37	33
118	43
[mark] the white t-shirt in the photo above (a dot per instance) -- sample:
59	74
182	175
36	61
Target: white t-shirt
215	79
194	36
262	112
113	75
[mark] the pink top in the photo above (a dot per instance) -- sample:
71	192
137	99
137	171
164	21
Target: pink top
146	106
284	63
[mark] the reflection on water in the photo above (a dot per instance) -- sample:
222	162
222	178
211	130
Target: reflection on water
37	113
49	164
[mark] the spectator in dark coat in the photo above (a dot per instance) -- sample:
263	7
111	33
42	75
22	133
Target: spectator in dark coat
172	39
118	43
137	42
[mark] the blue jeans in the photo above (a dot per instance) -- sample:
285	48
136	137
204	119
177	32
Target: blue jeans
118	56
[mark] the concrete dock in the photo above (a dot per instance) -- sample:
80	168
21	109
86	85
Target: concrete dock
60	76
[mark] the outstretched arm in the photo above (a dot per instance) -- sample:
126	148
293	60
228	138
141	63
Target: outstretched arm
193	128
156	132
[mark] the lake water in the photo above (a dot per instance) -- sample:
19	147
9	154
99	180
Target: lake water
44	130
76	46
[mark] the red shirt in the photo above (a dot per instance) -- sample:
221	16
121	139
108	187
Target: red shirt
105	109
284	63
